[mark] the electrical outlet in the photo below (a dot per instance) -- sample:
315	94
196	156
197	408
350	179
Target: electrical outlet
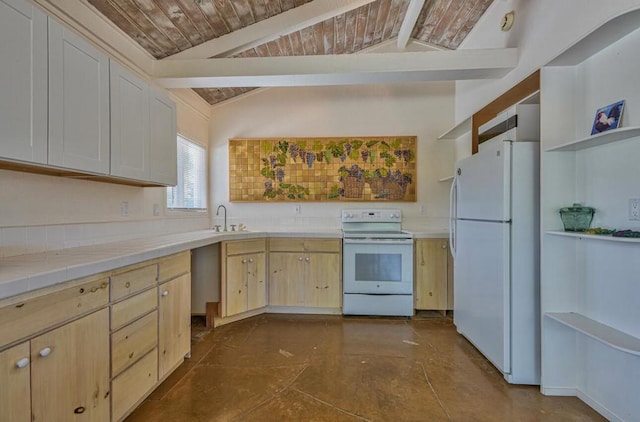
124	209
634	209
421	208
298	209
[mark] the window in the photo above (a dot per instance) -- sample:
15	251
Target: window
191	191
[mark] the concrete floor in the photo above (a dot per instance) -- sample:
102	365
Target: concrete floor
332	368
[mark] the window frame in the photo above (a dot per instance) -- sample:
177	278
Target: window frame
179	177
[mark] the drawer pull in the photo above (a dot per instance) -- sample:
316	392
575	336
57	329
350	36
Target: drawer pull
94	289
22	363
45	352
165	293
79	410
20	305
82	290
127	284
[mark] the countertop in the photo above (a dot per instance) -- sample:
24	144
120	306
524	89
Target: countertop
25	273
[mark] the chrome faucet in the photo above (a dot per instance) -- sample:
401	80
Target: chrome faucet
225	215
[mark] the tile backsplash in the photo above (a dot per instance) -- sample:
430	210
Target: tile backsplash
33	239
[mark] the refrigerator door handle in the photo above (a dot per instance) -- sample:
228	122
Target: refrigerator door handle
452	216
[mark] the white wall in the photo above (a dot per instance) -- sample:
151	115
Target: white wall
39	213
425	110
542	30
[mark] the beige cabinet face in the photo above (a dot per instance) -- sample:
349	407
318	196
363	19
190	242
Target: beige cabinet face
236	298
431	275
174	334
70	371
322	285
15	386
286	278
256	281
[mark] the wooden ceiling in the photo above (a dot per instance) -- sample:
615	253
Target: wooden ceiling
167	27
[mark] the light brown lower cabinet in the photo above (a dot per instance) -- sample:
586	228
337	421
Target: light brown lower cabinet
174	323
244	286
15	387
70	371
305	272
72	353
129	387
433	275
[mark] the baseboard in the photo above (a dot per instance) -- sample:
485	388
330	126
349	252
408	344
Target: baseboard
303	310
217	322
591	402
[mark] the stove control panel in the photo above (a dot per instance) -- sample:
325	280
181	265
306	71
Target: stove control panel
368	215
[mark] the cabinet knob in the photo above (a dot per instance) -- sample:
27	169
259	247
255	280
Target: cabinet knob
45	352
22	363
127	284
165	293
244	261
251	260
307	259
79	410
444	246
300	258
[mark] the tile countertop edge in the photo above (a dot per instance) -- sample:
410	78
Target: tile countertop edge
26	273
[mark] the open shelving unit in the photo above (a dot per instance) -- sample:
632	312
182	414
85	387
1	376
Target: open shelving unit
589	283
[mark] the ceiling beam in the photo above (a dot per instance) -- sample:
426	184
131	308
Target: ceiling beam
409	22
270	29
345	69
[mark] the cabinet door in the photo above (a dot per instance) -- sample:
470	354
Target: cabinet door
256	282
431	274
129	124
78	103
164	140
70	371
322	285
15	386
236	271
23	85
174	323
286	279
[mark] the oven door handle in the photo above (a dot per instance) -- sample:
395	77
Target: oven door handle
379	241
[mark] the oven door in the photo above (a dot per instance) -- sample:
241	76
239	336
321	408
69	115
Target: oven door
378	266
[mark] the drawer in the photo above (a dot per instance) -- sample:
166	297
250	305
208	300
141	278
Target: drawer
174	265
288	244
129	282
132	385
126	311
133	341
245	246
33	312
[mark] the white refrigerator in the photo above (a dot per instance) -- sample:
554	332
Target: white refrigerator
495	245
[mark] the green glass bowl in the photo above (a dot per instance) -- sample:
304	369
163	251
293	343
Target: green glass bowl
576	218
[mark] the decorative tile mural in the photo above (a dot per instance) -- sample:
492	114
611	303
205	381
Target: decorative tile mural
379	168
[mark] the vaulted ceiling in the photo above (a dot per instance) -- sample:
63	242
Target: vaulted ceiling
165	28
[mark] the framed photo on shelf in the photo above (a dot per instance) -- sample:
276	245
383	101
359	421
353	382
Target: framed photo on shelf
607	117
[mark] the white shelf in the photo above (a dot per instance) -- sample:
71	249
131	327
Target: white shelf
445	179
605	237
458	130
607	34
598	331
603	138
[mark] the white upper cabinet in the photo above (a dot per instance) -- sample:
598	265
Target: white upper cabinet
23	82
164	147
78	103
129	124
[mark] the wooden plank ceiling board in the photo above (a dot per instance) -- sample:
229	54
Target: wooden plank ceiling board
167	27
